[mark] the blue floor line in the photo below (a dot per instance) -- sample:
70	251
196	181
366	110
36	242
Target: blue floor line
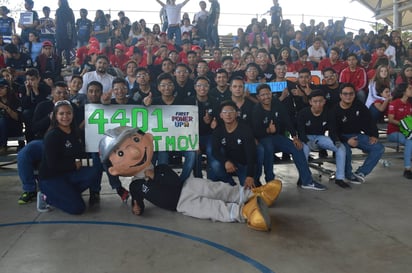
262	268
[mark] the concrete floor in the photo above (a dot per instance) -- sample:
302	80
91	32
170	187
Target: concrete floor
365	229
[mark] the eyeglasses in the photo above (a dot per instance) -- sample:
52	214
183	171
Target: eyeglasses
143	75
181	71
348	93
228	112
166	85
62	102
202	85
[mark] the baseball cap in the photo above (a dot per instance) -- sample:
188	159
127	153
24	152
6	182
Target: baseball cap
162	34
47	43
113	138
93	40
119	47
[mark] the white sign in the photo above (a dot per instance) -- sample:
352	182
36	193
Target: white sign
174	127
26	18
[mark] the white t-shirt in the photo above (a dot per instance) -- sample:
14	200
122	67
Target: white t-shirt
319	53
391	51
173	13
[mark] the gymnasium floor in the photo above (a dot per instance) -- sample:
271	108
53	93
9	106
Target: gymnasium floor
365	229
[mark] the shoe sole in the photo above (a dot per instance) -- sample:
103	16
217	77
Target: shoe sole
362	179
312	188
355	182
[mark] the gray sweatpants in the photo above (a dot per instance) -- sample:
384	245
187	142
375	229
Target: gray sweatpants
218	201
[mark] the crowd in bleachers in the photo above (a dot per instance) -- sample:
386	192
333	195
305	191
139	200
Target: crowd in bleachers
122	62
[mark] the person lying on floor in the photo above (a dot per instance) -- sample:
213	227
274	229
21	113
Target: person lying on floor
128	151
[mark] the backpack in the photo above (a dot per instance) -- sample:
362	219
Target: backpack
405	126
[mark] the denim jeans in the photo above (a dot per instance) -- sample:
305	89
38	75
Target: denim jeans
324	142
212	35
280	143
220	173
174	31
65	192
400	138
114	181
188	165
374	151
27	159
205	146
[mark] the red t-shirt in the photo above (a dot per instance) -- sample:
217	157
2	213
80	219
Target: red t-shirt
338	66
400	110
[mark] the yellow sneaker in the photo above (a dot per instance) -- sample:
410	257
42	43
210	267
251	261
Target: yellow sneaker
257	214
269	192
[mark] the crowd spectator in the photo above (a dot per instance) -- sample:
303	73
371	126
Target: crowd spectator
47	26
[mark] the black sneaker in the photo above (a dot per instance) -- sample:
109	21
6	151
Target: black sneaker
123	193
407	174
27	197
94	198
342	184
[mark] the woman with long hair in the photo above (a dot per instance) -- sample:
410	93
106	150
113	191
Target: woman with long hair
405	76
62	176
33	47
379	81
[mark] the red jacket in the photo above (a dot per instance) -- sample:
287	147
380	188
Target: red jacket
358	77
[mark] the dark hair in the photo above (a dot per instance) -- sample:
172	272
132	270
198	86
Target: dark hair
228	103
95	83
303	52
403	76
76	77
400	90
164	76
261	87
119	80
345	85
236	78
33	72
351	55
222	71
225	58
201	78
304	70
328	69
102	57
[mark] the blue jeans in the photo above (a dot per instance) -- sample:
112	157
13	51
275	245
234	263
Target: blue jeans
205	145
220	173
114	181
174	31
212	35
27	159
400	138
65	192
280	143
324	142
188	165
374	151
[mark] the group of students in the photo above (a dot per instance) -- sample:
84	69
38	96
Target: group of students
243	121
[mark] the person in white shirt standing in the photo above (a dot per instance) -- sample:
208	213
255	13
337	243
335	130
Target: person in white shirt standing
100	75
316	52
173	11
